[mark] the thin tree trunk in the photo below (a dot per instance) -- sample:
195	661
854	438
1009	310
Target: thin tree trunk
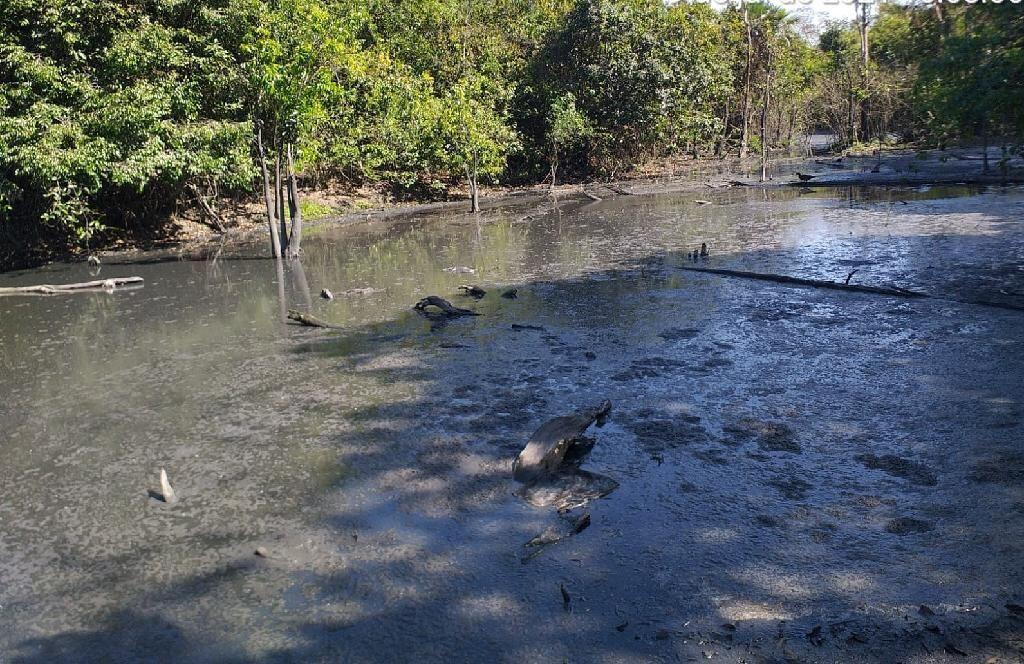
789	136
554	165
764	117
293	202
720	149
864	129
275	239
746	84
474	195
984	145
279	202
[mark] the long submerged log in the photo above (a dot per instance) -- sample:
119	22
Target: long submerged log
814	283
53	289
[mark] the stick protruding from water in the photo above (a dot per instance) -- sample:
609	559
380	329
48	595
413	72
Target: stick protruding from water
166	489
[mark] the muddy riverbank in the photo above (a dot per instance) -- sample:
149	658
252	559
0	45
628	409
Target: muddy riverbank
804	475
185	237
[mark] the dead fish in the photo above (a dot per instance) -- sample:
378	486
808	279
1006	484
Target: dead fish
166	490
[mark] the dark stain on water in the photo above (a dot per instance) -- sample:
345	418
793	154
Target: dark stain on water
786	459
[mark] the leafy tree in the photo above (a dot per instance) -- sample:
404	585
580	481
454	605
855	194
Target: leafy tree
476	137
568	129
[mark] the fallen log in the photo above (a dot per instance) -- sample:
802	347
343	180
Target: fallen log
618	190
447	308
815	283
53	289
308	320
593	197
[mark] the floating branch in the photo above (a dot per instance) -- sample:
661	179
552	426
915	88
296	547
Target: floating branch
51	289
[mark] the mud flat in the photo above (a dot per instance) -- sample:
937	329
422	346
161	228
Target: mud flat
803	474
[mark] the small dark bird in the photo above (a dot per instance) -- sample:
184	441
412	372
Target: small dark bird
704	253
804	177
695	255
510	294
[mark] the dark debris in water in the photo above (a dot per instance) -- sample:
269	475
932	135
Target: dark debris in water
771	436
1006	469
906	525
913	472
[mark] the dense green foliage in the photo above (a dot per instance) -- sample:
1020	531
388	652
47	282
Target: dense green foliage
114	113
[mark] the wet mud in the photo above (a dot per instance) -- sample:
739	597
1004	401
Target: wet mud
800	474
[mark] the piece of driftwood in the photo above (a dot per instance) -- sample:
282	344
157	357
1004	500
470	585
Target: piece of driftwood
815	283
618	190
472	290
307	319
166	490
326	294
701	201
566	489
362	291
567	526
548	445
591	196
443	306
53	289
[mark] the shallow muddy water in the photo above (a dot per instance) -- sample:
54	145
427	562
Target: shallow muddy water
803	474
